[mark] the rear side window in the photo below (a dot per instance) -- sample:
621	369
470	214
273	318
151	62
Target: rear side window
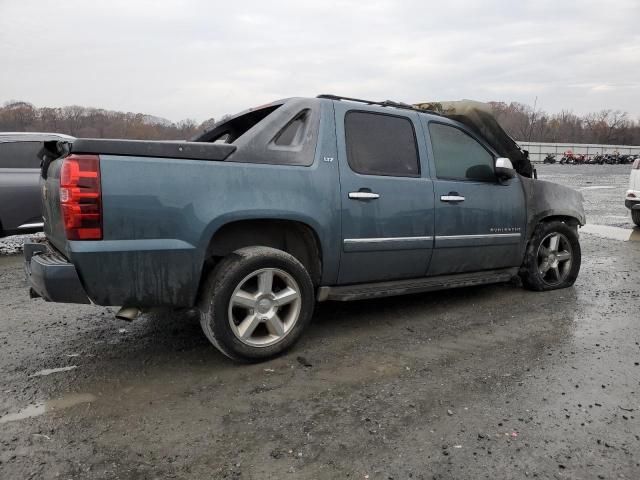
293	133
459	156
380	144
20	154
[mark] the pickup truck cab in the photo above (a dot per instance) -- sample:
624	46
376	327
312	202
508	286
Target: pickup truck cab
298	201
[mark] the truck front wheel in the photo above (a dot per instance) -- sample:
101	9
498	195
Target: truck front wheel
255	303
553	257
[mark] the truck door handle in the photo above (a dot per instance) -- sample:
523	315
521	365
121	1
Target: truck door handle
452	197
363	195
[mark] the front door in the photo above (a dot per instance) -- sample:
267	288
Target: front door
479	222
386	199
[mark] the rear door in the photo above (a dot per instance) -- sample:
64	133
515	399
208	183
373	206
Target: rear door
386	195
479	222
20	205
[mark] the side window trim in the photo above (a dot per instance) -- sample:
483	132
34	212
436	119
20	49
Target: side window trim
472	136
412	123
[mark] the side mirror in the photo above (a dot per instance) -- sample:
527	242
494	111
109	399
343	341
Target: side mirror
504	169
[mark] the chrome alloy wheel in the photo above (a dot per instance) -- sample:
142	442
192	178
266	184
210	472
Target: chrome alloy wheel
555	256
264	307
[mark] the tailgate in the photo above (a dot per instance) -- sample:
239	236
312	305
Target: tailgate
52	156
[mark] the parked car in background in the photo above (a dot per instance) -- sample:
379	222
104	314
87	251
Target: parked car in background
20	199
632	198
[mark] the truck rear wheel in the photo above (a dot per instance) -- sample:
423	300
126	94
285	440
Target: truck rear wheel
256	303
553	257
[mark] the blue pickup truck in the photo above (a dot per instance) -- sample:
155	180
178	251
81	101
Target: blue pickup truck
296	202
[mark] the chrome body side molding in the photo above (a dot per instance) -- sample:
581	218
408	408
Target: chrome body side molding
31	226
386	243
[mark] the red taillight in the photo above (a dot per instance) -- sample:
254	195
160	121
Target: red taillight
80	197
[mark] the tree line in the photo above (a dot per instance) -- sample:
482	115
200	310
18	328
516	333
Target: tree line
527	123
88	122
522	122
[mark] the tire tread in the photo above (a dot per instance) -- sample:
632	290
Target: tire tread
529	271
220	277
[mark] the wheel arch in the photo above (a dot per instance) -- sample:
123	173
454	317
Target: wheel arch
570	219
295	237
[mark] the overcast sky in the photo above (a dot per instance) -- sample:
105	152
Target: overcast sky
199	59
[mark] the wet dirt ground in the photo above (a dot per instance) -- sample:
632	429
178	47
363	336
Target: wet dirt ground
486	382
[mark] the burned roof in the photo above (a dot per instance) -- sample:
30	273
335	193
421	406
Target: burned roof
477	117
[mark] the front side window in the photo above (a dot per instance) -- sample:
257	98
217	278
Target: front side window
459	156
380	144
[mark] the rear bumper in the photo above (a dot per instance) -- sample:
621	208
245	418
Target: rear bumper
51	276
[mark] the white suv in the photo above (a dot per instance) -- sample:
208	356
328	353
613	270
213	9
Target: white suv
632	199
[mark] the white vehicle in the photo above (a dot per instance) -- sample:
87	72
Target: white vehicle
632	199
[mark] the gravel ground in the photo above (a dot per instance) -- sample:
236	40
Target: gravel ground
13	245
485	382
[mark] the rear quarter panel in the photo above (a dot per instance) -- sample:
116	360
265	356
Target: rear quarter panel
159	216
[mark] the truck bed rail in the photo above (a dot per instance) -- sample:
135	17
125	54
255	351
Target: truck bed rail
156	149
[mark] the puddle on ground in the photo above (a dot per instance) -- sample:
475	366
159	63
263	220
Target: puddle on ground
49	371
614	233
49	406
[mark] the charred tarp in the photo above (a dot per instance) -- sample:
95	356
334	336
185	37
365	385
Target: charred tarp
477	116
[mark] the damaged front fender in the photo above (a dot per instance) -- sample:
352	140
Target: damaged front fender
547	199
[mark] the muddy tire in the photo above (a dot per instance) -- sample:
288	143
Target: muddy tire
635	216
255	303
553	257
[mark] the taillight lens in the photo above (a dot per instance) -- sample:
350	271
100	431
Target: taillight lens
80	197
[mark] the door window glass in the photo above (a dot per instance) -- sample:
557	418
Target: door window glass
380	144
459	156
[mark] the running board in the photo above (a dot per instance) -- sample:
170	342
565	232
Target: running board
415	285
